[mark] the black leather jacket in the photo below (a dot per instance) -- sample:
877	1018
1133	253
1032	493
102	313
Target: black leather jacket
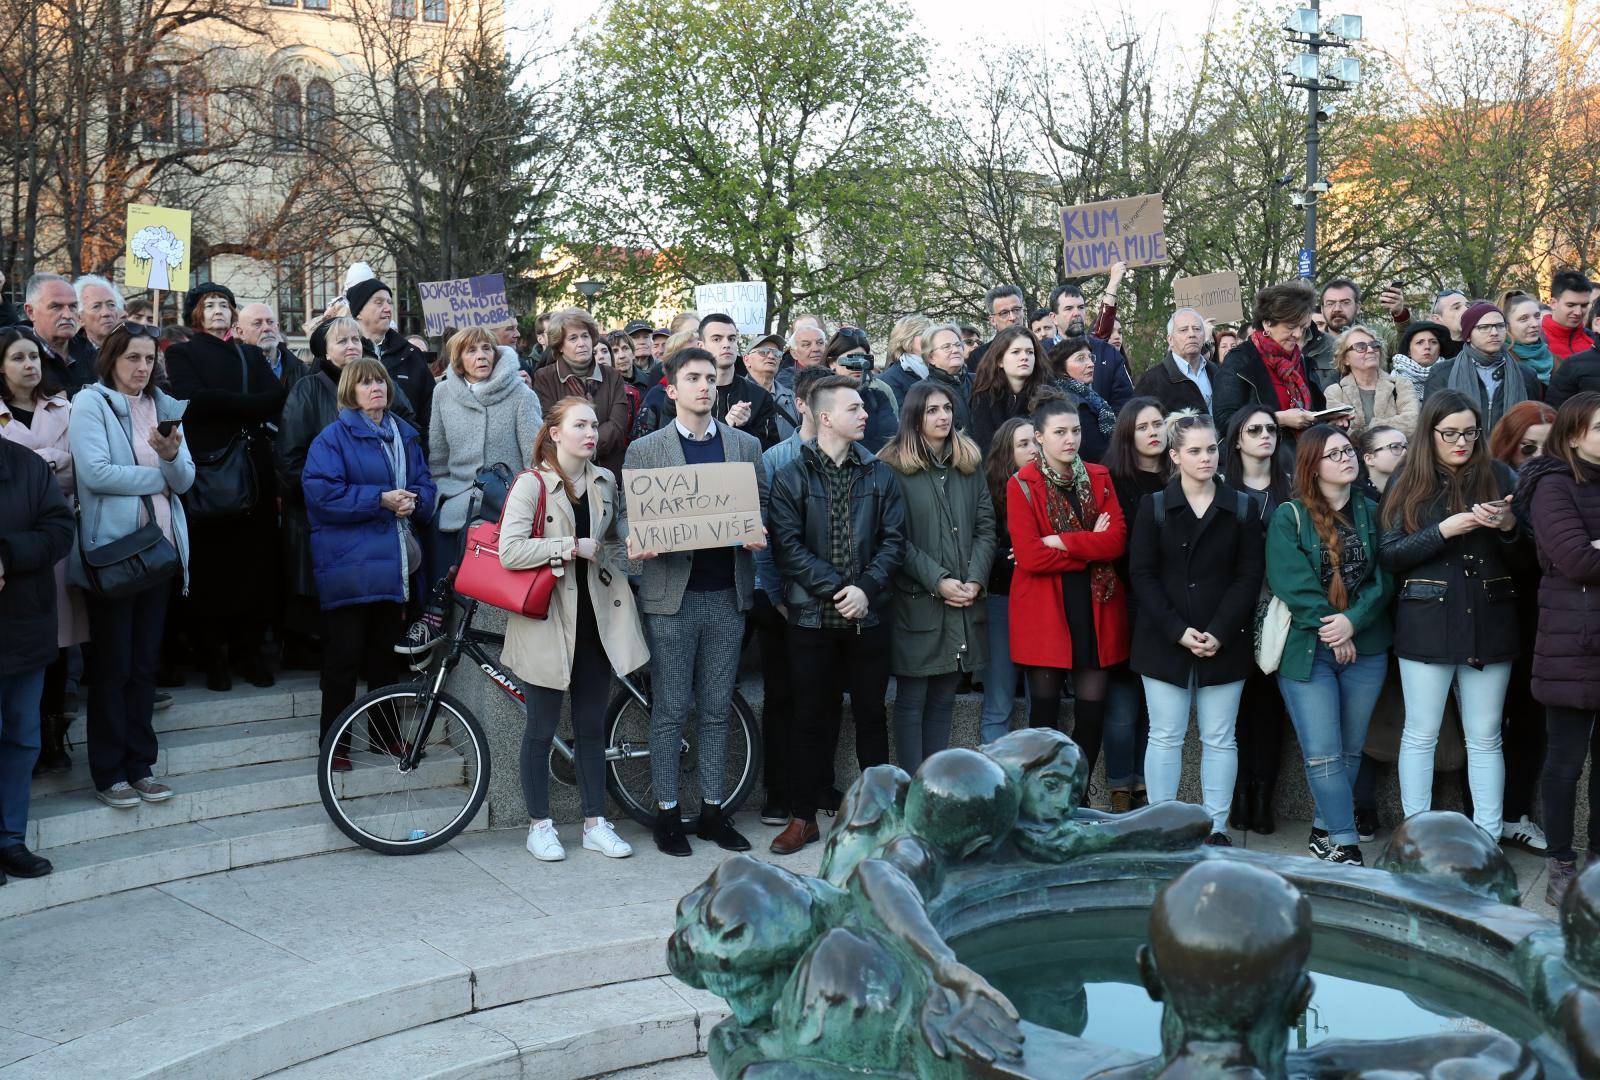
1457	598
797	528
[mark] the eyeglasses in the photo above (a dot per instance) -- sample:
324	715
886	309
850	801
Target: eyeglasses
770	354
1343	453
1009	312
1451	435
137	329
1362	346
1393	448
1257	430
949	346
1491	326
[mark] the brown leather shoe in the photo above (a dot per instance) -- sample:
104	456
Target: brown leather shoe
796	835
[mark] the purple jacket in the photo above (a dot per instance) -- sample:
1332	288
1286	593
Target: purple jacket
1566	520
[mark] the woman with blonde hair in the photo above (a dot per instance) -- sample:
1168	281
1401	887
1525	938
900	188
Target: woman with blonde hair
592	627
904	364
1375	396
940	627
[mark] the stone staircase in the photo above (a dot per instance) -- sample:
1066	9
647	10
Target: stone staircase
243	767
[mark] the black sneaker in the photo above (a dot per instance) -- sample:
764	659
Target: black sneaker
1219	839
421	637
830	801
1319	844
718	828
1367	825
773	813
669	835
1349	854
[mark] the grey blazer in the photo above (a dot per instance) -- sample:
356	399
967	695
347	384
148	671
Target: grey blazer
662	580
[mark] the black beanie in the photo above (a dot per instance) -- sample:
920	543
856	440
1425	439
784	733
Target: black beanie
358	294
192	298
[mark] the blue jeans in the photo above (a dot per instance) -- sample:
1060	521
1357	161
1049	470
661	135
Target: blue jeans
1000	677
19	749
1126	732
1330	712
1216	709
923	706
1483	695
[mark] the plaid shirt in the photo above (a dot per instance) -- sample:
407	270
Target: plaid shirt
839	478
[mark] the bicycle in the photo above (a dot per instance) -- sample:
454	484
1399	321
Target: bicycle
419	736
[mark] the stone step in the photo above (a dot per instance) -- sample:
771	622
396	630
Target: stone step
684	1068
569	1036
74	817
197	707
117	863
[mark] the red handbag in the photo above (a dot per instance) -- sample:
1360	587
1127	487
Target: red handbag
481	577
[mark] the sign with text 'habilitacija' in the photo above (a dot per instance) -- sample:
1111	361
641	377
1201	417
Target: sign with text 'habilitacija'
743	301
464	303
1214	296
1097	235
686	507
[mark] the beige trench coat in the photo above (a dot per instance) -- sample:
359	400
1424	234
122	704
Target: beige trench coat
540	651
1395	403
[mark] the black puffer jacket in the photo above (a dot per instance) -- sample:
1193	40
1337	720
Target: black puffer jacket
1575	374
1565	517
409	369
35	533
1456	598
798	517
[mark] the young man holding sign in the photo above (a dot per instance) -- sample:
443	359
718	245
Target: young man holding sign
694	604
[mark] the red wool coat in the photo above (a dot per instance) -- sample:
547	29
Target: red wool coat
1040	636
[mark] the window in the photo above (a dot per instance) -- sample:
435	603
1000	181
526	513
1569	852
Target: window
435	10
286	3
435	116
319	109
407	315
407	117
403	9
292	292
326	282
316	5
286	116
191	103
154	102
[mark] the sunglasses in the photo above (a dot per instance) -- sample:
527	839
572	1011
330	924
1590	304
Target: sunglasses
1257	430
136	329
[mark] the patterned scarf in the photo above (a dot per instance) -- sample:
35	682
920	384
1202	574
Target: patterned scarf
1085	393
1285	366
1063	519
1402	364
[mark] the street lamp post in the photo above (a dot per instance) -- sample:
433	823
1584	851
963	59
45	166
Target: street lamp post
1305	72
590	290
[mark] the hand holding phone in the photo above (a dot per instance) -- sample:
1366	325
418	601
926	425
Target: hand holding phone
166	428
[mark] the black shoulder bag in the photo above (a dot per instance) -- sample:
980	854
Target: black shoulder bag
225	479
124	567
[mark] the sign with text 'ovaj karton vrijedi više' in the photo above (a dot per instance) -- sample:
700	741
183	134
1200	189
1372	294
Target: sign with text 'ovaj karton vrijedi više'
686	507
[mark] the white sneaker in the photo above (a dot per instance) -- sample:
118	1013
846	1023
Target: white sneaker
543	843
603	838
1524	832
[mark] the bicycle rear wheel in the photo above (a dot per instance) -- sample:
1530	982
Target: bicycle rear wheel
396	811
628	760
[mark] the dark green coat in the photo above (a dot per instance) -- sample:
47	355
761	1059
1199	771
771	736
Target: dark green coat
949	533
1294	557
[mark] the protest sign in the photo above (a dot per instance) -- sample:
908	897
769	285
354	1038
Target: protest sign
744	301
156	255
464	303
685	507
1214	296
1096	235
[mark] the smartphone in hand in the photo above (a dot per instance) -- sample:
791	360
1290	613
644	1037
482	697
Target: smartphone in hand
166	428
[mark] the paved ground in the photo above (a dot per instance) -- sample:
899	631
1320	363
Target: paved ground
80	968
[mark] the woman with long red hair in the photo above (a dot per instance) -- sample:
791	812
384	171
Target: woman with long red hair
1322	562
592	627
1521	433
1069	610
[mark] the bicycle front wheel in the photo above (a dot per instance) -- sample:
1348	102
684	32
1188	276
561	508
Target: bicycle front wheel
628	776
385	807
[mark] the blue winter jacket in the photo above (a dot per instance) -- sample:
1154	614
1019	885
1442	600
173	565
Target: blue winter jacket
356	551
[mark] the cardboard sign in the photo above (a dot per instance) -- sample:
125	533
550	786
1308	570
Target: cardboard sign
687	507
156	255
744	301
1215	296
1097	235
464	303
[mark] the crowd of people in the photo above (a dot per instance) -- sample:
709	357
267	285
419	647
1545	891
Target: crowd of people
1280	524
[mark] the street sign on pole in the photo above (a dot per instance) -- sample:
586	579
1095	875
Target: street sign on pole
1308	264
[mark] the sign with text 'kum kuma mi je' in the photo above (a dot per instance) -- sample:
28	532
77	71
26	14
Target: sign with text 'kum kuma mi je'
464	303
1095	236
686	507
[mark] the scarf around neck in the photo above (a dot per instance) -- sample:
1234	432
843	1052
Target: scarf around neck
1464	378
1284	366
1085	393
1537	355
1402	365
1064	519
394	449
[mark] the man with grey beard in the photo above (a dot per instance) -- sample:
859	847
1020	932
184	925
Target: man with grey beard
258	326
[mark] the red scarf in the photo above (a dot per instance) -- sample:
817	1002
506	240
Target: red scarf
1288	374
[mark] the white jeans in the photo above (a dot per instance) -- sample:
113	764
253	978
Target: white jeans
1217	709
1483	695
